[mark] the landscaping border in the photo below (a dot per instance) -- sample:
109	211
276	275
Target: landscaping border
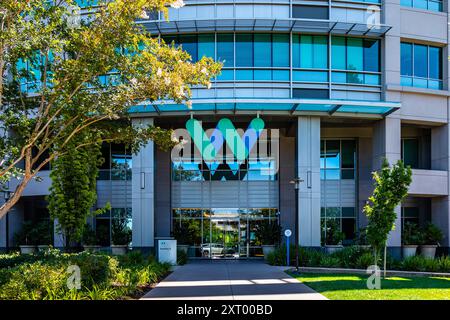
399	273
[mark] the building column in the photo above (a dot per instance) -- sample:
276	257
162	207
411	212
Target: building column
440	160
3	236
386	145
142	190
308	169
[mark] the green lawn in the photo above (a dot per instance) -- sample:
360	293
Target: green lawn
353	287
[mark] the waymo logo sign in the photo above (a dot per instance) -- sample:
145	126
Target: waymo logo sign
226	143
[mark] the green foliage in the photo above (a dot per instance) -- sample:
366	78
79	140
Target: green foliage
411	234
73	190
120	232
82	76
268	232
432	235
44	276
182	257
364	261
28	234
391	187
333	233
419	263
186	231
89	236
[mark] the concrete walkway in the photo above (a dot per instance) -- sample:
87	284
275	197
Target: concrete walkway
231	280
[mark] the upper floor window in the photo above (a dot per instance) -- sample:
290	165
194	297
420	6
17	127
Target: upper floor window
421	66
337	159
310	12
433	5
410	152
355	60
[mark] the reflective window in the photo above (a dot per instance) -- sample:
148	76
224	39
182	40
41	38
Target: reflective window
337	220
117	162
244	50
338	159
309	51
310	12
421	66
432	5
112	225
225	49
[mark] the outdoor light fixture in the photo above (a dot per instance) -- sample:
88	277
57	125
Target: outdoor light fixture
296	182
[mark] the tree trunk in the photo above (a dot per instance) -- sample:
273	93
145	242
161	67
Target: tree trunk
4	208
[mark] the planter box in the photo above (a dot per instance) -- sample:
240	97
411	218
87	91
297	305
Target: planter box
409	251
43	247
428	251
267	249
91	248
333	248
27	249
183	247
119	250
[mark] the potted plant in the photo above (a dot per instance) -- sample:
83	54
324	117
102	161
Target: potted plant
333	236
44	234
361	239
26	238
89	239
411	238
121	236
182	234
432	236
268	233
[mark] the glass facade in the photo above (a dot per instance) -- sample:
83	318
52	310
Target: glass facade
221	232
117	162
266	57
107	222
432	5
338	173
421	65
410	215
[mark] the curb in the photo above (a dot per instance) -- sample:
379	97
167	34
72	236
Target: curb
363	271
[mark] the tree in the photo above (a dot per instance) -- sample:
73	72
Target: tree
66	79
391	187
73	191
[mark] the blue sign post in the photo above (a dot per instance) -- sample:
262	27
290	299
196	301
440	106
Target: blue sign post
288	234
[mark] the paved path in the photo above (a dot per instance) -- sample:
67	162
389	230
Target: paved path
231	280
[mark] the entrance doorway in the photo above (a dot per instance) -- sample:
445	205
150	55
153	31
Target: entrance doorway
225	236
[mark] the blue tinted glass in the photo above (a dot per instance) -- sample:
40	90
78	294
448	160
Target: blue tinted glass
419	82
435	6
262	50
435	84
280	49
320	51
332	160
189	44
310	76
371	55
244	50
332	174
420	61
354	54
226	75
280	75
406	81
407	3
244	74
421	4
296	50
306	51
406	59
225	51
206	46
338	60
339	77
355	78
372	79
435	63
263	74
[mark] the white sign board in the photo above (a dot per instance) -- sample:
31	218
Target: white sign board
167	251
288	233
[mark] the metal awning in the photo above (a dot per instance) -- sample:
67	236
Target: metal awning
279	25
323	107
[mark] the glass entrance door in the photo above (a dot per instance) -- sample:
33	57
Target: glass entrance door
225	239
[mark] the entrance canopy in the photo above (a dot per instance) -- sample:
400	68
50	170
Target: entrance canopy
325	107
278	25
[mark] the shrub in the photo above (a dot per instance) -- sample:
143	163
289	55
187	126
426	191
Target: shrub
268	232
364	260
329	261
444	264
348	256
95	268
134	257
432	235
181	257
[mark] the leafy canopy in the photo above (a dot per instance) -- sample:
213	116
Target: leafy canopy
68	75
